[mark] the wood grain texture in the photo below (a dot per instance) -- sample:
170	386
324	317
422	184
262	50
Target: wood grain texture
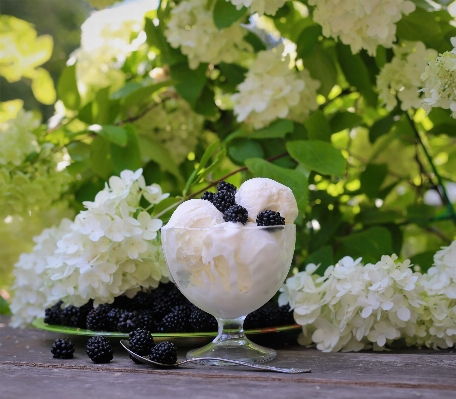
27	369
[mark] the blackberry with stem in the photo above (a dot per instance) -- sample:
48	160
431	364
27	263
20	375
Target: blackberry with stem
236	213
99	349
128	321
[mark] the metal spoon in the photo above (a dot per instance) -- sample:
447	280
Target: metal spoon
146	360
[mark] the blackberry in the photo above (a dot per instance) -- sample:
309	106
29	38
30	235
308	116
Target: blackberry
141	342
223	200
99	349
253	320
165	352
142	300
269	218
73	316
112	318
236	213
200	321
178	320
122	302
52	314
270	315
286	315
225	186
128	321
208	196
96	318
62	349
171	297
146	320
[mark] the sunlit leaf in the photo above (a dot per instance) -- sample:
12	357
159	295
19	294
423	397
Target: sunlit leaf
43	87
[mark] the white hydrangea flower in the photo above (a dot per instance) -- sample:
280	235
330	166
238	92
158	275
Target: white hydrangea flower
402	76
173	124
106	41
354	307
439	81
192	28
110	249
28	184
362	24
30	291
260	7
17	139
271	90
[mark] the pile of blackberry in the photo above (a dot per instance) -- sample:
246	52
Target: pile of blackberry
163	310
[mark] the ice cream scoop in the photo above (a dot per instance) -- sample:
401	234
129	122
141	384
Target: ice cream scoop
259	194
195	213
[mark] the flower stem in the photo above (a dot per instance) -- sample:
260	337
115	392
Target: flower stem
446	198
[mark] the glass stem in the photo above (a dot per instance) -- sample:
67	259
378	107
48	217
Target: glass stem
229	329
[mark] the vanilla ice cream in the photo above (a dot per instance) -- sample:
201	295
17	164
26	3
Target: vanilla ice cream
239	267
259	194
195	213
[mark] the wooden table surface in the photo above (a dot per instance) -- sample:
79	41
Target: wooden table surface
28	370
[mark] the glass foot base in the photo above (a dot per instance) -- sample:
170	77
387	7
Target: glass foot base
233	349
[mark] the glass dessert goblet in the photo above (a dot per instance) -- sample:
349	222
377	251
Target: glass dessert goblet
229	270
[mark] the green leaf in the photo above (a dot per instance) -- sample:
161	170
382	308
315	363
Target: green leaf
240	150
79	151
322	256
277	129
371	244
67	88
444	128
419	25
255	42
329	223
125	90
189	82
372	178
144	92
225	13
205	105
97	111
158	153
129	156
424	260
234	74
319	156
377	216
204	160
356	73
321	66
381	127
156	38
289	177
4	308
318	127
100	158
114	134
307	40
43	87
344	120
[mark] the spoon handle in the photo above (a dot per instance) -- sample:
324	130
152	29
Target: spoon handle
292	370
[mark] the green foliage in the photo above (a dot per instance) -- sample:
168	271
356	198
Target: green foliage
4	308
225	13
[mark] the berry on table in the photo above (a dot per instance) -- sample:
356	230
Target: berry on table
62	349
141	342
165	352
99	349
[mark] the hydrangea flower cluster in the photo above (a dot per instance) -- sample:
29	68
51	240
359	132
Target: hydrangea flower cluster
271	90
31	287
362	24
106	40
439	79
401	78
260	7
173	124
29	175
192	28
354	307
109	249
